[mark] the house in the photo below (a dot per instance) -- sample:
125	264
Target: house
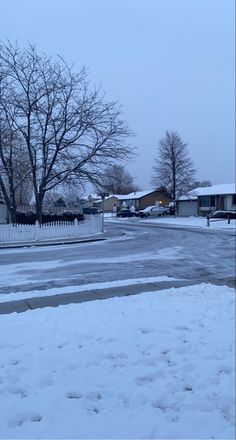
202	201
108	204
142	199
139	200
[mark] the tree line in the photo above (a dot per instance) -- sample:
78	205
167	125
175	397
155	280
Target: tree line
56	129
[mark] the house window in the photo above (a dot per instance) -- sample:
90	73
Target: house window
234	199
207	201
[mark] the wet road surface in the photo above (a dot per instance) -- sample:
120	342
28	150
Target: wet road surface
143	251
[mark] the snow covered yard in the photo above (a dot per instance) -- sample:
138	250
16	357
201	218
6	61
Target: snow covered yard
191	222
155	365
195	222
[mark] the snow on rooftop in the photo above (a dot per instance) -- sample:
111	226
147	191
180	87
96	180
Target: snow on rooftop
135	195
191	195
130	196
226	188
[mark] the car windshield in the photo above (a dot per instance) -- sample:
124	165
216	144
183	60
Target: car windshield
149	208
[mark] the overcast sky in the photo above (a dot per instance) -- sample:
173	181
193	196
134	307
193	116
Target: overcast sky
170	63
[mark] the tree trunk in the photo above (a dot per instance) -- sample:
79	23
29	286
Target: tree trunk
12	211
10	201
39	208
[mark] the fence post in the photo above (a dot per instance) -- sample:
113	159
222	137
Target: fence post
208	221
36	230
76	226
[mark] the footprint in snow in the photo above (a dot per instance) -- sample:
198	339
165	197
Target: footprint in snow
93	410
146	330
166	351
94	396
21	418
160	405
188	388
14	362
62	345
144	380
18	391
181	327
224	369
73	395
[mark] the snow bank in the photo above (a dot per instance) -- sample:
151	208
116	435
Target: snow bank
157	365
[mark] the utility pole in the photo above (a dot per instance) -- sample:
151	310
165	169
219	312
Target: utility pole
103	195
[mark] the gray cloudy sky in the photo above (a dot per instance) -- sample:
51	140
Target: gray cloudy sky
170	63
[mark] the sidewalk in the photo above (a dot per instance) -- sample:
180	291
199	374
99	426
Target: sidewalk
32	303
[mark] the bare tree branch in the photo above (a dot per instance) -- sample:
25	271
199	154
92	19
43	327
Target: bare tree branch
173	167
67	128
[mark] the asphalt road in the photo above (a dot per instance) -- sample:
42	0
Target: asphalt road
143	251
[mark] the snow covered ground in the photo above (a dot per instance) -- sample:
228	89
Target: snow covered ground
194	222
155	365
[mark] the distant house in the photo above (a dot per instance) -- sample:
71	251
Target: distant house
109	204
142	199
202	201
139	200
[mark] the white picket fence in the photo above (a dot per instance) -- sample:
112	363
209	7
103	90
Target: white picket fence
21	233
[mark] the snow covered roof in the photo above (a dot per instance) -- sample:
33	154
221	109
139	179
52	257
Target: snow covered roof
226	188
111	196
134	195
214	190
130	196
191	195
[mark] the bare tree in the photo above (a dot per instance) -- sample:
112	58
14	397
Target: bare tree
117	180
200	184
73	193
70	193
173	167
67	127
15	182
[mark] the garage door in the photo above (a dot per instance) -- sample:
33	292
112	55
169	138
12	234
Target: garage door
187	208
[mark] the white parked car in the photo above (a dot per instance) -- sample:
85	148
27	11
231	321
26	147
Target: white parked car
152	211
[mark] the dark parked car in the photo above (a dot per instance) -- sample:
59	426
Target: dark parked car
92	210
172	210
223	214
126	213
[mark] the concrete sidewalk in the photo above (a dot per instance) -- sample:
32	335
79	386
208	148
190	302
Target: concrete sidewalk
91	295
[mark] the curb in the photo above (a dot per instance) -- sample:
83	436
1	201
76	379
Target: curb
55	243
